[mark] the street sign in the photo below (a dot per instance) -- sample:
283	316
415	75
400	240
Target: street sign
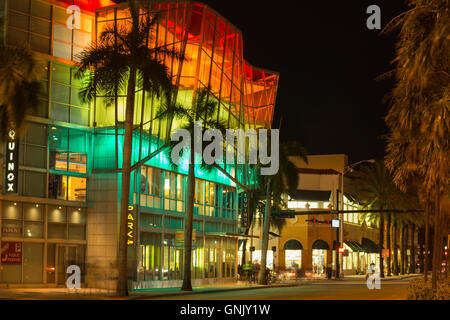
335	223
11	252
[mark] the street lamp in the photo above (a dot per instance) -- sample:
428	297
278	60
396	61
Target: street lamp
341	217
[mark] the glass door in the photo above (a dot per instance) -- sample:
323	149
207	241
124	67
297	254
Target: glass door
65	256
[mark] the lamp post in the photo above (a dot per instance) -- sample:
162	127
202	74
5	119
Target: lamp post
341	217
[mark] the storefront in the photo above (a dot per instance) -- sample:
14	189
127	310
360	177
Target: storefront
39	241
319	257
360	256
354	259
293	254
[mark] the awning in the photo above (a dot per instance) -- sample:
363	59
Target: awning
369	246
354	246
273	234
311	195
293	245
321	245
229	234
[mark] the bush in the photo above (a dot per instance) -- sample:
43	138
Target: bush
418	290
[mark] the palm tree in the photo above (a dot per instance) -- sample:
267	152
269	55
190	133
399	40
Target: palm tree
418	120
257	205
395	248
19	87
286	180
388	244
122	61
204	110
374	190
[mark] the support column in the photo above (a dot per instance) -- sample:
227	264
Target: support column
220	259
45	242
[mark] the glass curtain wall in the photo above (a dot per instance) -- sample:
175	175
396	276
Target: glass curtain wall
214	60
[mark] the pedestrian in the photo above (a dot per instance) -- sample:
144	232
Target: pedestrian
329	270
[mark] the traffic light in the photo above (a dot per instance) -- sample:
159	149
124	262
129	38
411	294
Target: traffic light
319	221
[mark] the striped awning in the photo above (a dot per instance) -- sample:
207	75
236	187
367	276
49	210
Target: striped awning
369	246
354	246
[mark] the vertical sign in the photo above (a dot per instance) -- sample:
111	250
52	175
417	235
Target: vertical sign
11	252
12	163
244	206
131	225
179	237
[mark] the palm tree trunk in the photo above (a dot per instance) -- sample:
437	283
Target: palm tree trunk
437	240
188	218
402	249
122	285
421	242
427	241
388	243
412	268
448	255
265	239
395	248
406	248
381	244
244	251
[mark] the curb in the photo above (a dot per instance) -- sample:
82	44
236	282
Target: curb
186	293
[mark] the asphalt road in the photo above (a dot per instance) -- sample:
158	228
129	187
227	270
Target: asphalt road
325	290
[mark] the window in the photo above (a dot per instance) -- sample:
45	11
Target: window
33	147
152	221
30	22
152	183
66	223
66	103
68	149
32	183
67	43
22	220
66	187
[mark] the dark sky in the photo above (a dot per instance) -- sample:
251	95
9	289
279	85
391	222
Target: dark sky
328	61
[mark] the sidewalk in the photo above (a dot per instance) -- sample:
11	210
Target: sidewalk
353	277
97	294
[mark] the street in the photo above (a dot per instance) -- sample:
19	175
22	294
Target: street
323	290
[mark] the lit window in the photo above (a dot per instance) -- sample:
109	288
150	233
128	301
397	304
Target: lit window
313	205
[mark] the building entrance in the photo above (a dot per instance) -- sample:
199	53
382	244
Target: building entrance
60	257
319	261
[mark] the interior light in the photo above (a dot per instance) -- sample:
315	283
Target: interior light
59	208
37	206
15	203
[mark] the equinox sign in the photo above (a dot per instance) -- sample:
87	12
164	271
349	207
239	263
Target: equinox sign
12	151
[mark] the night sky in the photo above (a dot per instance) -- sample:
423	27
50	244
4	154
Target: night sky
328	61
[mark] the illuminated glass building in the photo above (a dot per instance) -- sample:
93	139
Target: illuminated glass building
66	210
